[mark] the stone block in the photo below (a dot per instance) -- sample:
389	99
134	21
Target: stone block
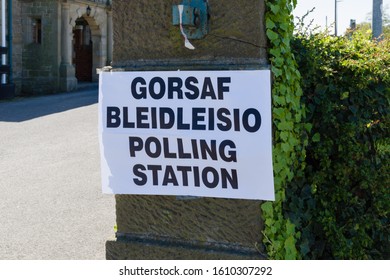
168	227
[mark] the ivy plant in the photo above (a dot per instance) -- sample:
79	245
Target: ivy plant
280	234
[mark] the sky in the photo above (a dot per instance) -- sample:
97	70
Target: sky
324	13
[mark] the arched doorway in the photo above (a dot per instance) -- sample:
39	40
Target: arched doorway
96	29
83	50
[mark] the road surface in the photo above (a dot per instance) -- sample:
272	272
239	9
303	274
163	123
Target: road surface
51	204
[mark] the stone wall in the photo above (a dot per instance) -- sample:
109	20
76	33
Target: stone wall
168	227
17	47
144	35
40	60
36	66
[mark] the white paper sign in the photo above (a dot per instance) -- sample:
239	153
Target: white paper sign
186	133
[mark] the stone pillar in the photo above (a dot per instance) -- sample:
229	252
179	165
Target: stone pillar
168	227
98	58
109	37
68	81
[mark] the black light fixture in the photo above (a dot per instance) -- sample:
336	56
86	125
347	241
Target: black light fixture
88	10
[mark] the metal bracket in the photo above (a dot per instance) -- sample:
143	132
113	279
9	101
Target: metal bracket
194	18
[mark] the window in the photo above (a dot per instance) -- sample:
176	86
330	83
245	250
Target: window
37	31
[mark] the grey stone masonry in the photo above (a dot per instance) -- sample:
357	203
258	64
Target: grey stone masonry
166	227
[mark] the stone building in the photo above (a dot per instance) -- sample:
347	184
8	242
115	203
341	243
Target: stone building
57	44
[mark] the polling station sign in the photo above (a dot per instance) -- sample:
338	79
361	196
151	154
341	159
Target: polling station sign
186	133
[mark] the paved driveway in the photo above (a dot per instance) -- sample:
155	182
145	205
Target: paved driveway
51	205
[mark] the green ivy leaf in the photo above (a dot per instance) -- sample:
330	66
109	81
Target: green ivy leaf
284	135
286	147
285	125
279	112
316	137
279	100
277	72
267	208
308	127
290	228
291	251
272	35
274	8
269	24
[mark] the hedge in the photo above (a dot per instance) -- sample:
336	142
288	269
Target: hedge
341	204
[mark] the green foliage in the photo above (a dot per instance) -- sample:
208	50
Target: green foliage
332	199
280	235
366	26
341	205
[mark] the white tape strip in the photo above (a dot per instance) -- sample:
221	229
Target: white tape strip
187	43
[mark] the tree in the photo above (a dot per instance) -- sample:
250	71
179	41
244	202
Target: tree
365	27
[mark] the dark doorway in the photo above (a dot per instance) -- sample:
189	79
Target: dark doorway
82	58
